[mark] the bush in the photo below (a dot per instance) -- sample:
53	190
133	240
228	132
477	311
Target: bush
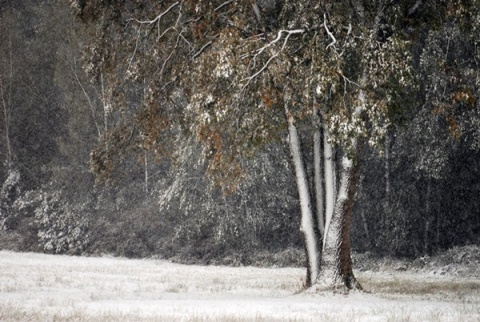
61	228
8	195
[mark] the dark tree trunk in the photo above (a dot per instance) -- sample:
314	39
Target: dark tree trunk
336	265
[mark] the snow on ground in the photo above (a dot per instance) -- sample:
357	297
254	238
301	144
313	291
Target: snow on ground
39	287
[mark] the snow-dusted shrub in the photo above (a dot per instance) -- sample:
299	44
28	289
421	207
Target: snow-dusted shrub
7	220
61	227
10	188
23	207
9	193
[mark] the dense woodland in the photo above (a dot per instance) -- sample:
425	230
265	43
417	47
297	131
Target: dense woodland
165	128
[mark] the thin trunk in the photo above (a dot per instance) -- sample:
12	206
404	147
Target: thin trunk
106	107
365	227
90	104
7	106
6	121
387	180
437	239
318	180
146	169
330	180
387	166
426	241
307	217
145	149
317	160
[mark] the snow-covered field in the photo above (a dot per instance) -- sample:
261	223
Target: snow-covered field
38	287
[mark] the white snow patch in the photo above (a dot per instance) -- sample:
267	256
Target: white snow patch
46	287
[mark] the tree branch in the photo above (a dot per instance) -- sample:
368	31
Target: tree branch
329	33
415	7
159	16
275	54
226	3
198	53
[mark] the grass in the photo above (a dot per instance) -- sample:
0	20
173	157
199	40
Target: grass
78	314
36	287
407	285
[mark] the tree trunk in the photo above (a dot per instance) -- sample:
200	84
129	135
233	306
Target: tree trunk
365	227
387	179
336	265
428	220
330	180
145	164
308	222
6	121
106	105
6	96
318	180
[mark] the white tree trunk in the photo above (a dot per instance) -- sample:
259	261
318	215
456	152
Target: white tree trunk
307	225
6	123
330	180
318	180
145	160
106	105
387	166
6	95
387	179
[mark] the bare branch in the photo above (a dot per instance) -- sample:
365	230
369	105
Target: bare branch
198	53
136	47
90	104
185	40
256	11
274	54
329	33
159	16
226	3
348	80
278	38
415	7
164	32
262	69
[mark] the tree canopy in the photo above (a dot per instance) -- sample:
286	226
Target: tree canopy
189	111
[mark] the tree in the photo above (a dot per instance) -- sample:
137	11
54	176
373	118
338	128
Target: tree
31	114
238	76
424	205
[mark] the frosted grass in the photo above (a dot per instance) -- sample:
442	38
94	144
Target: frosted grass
38	287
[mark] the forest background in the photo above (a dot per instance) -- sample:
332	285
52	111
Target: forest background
417	196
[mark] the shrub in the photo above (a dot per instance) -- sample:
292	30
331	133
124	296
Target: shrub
61	228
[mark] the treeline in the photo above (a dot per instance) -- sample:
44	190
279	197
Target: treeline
417	194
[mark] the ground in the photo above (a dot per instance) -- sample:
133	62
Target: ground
39	287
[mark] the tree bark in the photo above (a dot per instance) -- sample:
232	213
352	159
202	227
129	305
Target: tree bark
7	104
308	222
330	180
336	264
428	220
318	180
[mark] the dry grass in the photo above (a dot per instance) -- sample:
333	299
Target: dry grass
35	287
12	313
403	284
